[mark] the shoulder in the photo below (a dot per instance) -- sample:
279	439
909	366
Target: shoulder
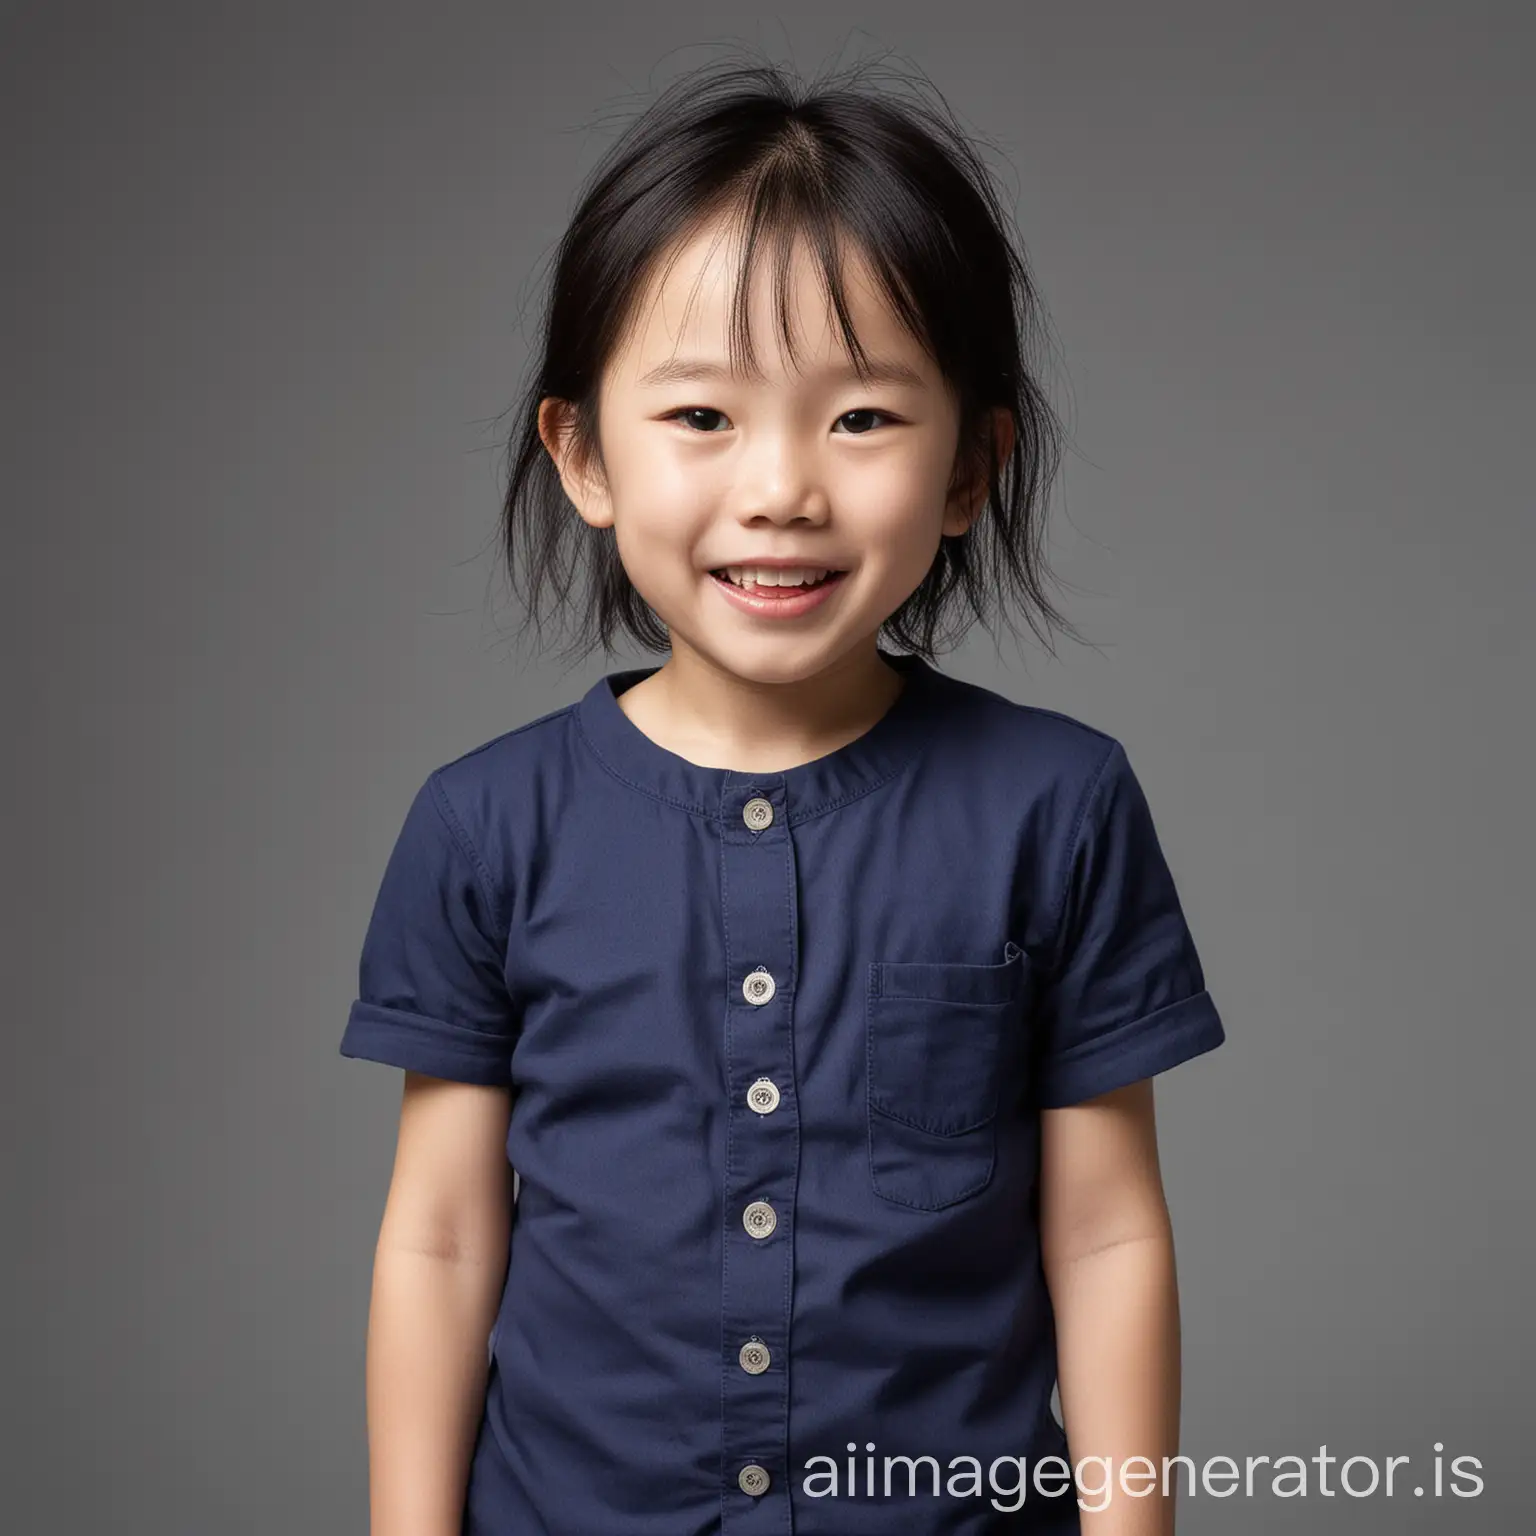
521	747
489	790
1047	749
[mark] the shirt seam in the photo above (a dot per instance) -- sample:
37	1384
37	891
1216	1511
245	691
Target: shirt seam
466	846
1080	821
550	717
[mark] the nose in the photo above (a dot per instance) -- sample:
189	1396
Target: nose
779	482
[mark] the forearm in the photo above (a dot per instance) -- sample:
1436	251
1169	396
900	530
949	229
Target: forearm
1118	1343
428	1322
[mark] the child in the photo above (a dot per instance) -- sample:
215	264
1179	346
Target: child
812	993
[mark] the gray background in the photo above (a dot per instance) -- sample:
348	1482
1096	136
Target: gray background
265	270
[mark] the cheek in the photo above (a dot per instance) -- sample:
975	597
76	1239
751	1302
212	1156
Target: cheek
656	477
657	535
906	475
895	513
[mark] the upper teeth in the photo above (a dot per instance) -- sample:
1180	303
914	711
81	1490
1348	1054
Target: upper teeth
768	576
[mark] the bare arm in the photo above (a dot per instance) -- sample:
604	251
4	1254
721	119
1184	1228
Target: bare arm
1107	1251
437	1278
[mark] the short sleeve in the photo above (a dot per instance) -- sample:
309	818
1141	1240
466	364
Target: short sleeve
432	992
1126	996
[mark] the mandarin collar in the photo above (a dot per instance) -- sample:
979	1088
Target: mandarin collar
806	790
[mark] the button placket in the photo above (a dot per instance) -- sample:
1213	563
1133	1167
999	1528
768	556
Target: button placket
760	900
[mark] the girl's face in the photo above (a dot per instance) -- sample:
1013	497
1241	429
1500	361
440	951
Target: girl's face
707	469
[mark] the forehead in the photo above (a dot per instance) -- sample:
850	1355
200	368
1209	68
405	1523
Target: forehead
691	305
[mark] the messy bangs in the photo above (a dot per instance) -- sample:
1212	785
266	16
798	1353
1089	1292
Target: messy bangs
777	212
841	170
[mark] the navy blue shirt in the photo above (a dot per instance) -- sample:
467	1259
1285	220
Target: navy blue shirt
778	1045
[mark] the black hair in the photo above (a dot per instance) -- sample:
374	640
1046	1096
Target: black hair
831	162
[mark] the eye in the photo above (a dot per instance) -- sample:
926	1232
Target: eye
687	416
865	411
694	410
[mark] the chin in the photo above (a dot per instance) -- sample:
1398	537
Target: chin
774	661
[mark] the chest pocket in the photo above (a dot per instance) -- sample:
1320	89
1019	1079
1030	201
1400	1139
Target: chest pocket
942	1037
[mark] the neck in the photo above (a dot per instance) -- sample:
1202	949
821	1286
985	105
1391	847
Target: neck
717	718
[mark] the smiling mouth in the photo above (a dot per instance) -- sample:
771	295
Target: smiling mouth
775	590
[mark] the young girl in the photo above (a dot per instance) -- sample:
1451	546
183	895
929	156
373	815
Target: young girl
812	993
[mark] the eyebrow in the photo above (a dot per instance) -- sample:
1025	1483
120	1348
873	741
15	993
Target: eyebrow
679	369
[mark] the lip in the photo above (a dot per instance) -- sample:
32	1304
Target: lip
802	600
778	563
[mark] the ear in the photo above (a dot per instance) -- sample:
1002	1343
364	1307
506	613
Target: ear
584	487
965	504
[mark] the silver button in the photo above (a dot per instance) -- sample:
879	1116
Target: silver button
759	1218
753	1479
758	988
757	813
753	1356
763	1096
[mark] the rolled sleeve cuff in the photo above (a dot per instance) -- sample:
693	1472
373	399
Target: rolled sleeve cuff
1142	1048
420	1044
